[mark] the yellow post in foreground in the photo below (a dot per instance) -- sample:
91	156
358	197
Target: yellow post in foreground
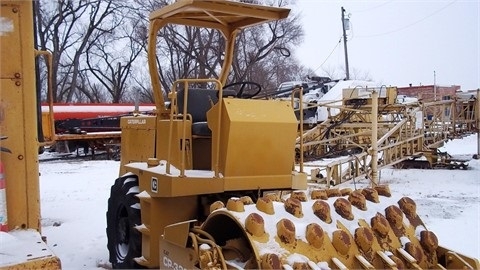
18	128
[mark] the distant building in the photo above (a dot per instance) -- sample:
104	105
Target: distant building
427	93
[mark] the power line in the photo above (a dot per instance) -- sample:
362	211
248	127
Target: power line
409	25
334	48
372	8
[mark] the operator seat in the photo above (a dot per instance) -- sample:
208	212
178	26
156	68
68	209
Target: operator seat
199	101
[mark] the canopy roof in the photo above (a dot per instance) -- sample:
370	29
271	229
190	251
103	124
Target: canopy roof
218	14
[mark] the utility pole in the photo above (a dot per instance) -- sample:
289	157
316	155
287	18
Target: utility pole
345	44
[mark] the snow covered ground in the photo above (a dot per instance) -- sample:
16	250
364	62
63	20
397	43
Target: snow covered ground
74	198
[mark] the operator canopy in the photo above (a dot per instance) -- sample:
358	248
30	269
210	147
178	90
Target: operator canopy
218	14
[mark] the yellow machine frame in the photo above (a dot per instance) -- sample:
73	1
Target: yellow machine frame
18	101
18	123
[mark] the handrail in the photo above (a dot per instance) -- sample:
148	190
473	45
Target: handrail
185	116
49	60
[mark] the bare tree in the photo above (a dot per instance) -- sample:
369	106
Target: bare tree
358	74
110	60
338	73
66	28
186	52
263	44
99	50
333	72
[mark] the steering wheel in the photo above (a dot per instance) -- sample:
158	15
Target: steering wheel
245	89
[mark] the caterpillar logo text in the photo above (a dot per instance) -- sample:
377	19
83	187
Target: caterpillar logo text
137	121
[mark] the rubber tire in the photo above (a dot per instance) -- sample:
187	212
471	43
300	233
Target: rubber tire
121	221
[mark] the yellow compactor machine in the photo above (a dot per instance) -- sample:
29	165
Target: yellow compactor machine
209	182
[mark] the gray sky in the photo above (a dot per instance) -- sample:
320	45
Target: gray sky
395	42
